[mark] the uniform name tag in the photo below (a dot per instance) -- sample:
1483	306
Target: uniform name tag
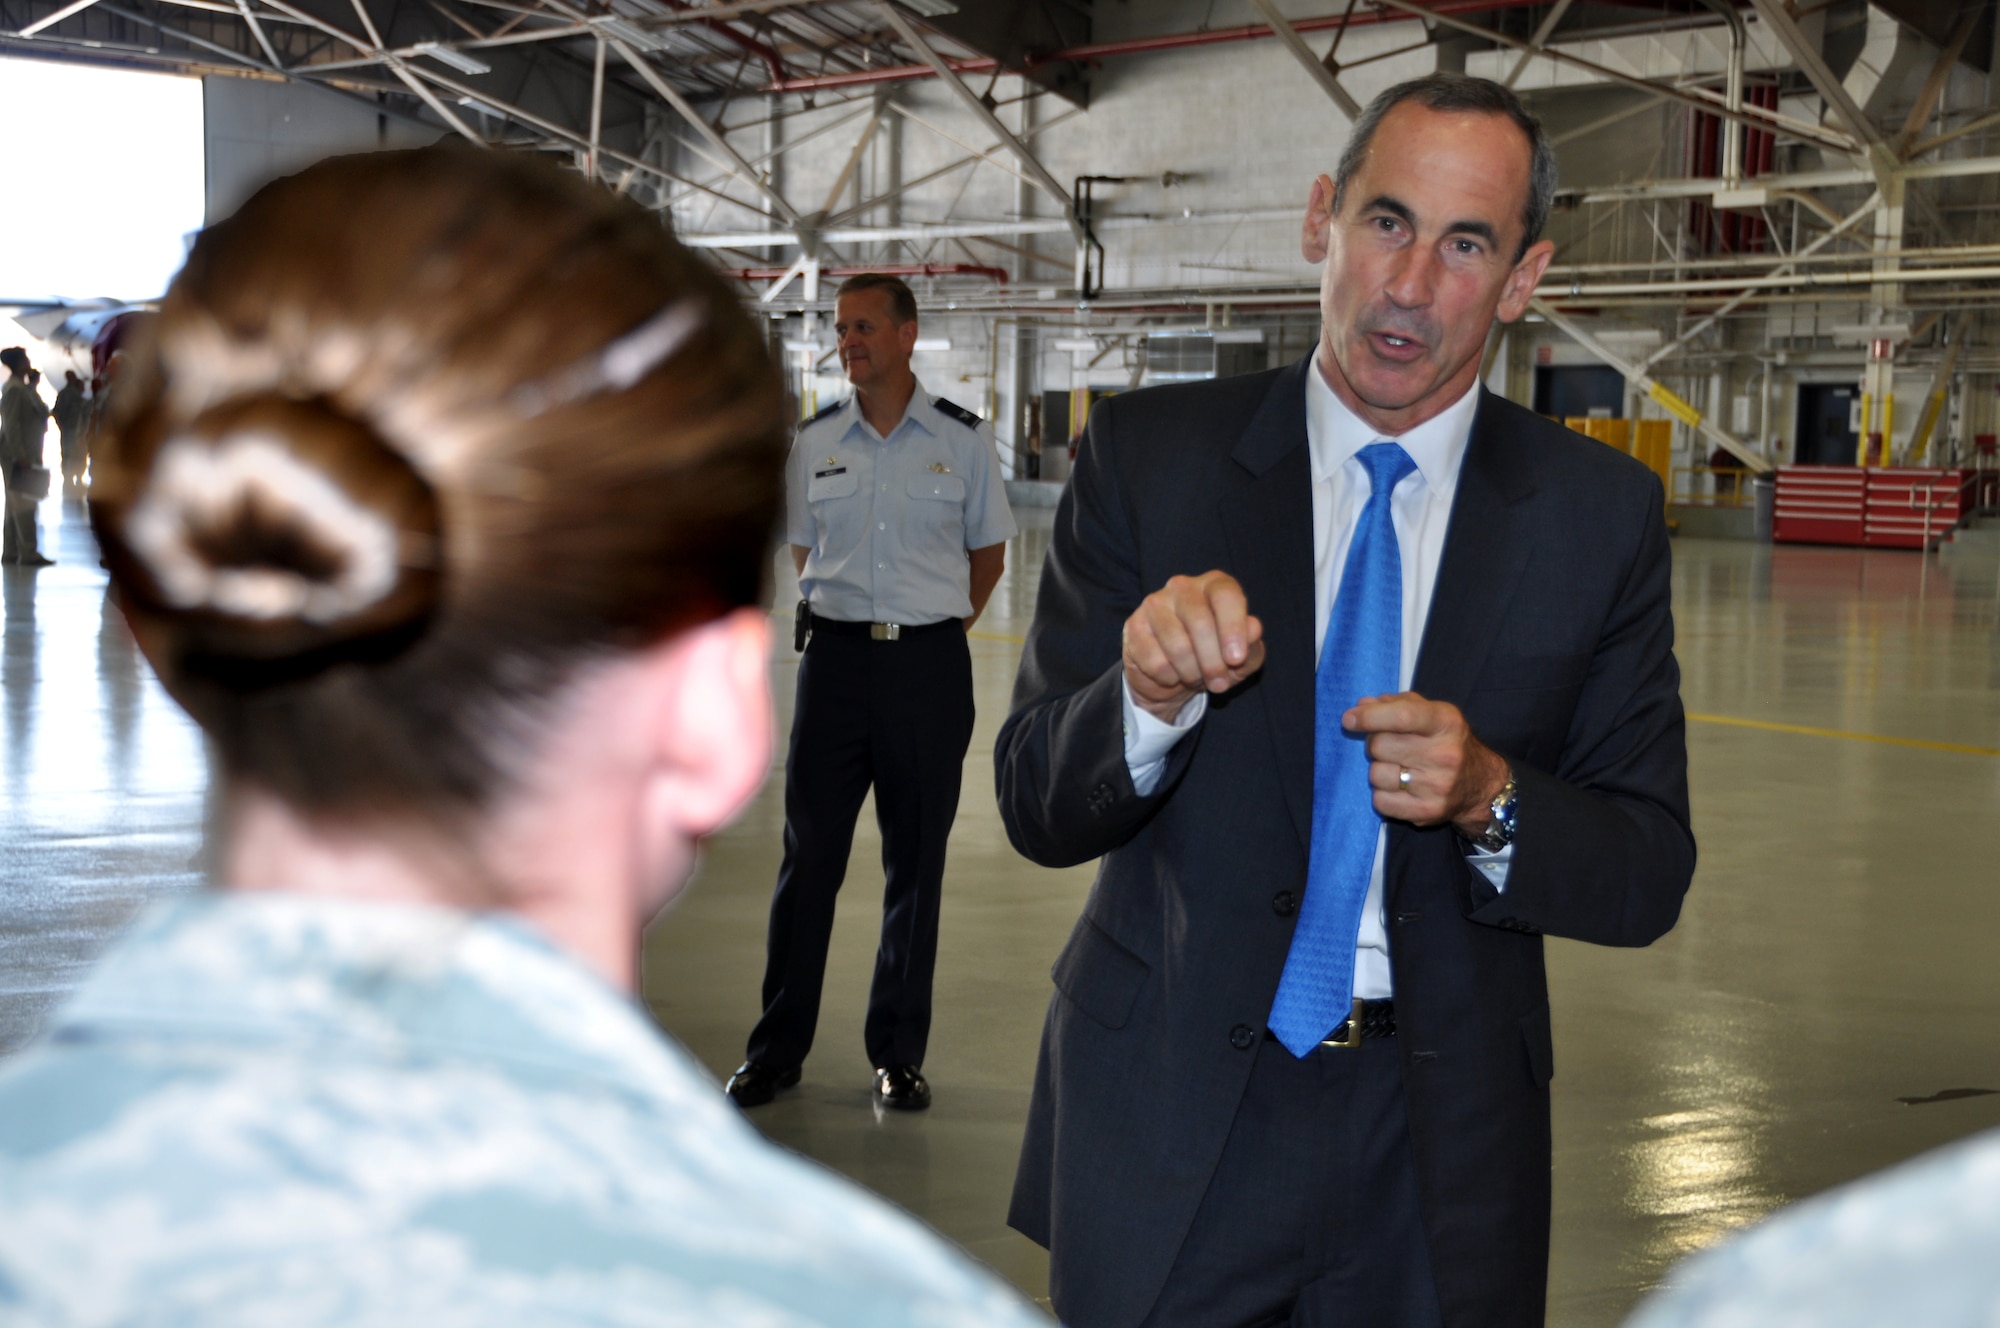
822	474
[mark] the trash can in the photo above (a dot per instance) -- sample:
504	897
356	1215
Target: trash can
1764	493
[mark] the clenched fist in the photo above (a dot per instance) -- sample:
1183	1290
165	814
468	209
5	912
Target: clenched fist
1193	634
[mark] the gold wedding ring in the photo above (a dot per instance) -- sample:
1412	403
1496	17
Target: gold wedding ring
1403	780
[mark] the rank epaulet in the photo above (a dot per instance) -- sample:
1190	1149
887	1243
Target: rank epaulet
825	411
957	412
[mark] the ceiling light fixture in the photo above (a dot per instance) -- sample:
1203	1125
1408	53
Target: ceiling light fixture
446	55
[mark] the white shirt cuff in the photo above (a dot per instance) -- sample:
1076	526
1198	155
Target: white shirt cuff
1493	866
1149	740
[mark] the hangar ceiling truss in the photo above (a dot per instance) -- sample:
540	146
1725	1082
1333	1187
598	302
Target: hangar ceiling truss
684	101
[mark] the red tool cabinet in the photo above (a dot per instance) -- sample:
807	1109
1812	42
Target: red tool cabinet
1904	507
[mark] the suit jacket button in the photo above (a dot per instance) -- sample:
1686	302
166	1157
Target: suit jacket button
1285	903
1242	1037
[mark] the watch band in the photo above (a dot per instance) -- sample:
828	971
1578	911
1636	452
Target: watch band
1499	832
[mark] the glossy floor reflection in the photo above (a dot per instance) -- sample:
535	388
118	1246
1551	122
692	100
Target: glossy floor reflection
1833	961
105	778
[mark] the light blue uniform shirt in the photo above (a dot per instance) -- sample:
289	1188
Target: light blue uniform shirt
272	1109
889	520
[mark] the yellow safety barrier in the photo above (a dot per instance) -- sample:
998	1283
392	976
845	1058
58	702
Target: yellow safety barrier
1654	447
1730	486
1650	441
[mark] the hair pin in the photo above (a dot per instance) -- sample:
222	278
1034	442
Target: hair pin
619	365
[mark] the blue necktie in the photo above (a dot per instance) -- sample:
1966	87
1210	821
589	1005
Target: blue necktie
1362	656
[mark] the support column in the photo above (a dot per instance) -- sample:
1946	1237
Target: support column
1878	380
1027	359
892	185
774	157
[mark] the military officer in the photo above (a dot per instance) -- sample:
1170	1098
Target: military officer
898	522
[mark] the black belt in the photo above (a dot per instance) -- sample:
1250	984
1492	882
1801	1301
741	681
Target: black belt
875	631
1371	1019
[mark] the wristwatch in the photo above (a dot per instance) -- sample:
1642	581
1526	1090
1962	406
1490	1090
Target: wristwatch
1499	832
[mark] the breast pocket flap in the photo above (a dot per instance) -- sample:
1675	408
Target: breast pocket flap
834	484
946	488
1101	977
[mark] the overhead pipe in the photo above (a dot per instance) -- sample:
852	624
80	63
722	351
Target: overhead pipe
1732	130
1133	46
997	274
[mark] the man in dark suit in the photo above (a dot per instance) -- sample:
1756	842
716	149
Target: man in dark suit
1360	680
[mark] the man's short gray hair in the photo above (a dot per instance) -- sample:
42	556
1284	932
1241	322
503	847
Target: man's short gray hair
1459	94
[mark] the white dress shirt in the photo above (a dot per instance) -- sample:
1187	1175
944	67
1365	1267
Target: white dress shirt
1421	510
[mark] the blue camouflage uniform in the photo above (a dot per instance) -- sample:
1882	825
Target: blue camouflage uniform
1913	1245
888	523
279	1109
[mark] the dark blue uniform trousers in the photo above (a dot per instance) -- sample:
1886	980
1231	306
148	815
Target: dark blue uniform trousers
897	715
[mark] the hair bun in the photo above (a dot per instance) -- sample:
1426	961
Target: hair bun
272	529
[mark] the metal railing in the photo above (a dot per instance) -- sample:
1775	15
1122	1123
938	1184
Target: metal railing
1710	486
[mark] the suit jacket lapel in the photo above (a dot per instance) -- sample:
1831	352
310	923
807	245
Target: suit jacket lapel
1486	549
1266	506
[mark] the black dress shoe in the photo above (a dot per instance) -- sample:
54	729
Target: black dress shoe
902	1088
755	1083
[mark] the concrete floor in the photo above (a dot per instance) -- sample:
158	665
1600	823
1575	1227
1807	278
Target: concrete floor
1833	963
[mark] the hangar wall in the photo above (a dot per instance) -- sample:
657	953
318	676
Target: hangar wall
258	130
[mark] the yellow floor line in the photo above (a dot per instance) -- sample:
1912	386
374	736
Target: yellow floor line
1811	732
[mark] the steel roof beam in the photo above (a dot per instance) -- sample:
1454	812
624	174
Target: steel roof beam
1543	32
1786	268
671	95
847	168
1932	170
957	142
1645	382
1707	102
1029	162
976	157
243	8
50	20
1312	64
1831	90
1953	135
1933	88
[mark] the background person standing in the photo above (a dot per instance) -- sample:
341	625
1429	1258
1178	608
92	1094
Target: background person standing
24	425
898	523
71	412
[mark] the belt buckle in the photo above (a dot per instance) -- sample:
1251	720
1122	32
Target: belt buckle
1353	1038
885	631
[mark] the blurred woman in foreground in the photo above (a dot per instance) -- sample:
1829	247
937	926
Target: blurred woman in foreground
441	495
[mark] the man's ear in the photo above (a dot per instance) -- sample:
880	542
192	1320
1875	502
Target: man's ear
1521	282
1319	217
906	336
712	714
